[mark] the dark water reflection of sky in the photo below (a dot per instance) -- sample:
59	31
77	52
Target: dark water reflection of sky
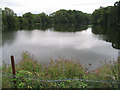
83	46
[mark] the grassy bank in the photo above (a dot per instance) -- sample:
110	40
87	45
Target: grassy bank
59	74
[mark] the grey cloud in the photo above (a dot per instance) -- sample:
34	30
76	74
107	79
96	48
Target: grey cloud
9	3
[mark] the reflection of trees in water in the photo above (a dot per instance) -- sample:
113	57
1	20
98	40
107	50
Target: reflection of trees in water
0	27
58	27
111	35
8	37
37	26
0	38
69	27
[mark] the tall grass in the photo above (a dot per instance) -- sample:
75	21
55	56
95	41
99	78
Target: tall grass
29	74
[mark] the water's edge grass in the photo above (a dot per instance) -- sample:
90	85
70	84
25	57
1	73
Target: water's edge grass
29	74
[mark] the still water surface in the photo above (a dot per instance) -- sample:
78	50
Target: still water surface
83	46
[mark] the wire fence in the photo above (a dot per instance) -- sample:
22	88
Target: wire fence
100	81
59	83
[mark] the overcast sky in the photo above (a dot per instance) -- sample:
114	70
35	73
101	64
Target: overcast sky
48	6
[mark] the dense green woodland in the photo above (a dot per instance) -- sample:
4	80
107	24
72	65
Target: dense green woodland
107	16
29	20
104	16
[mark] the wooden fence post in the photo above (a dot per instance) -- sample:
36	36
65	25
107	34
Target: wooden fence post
13	70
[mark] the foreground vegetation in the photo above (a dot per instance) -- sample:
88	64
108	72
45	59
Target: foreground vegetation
31	74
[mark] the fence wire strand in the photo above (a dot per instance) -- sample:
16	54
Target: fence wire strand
60	80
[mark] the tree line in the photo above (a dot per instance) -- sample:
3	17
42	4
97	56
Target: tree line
28	20
104	16
107	16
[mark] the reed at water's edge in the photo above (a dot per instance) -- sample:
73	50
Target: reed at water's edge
29	74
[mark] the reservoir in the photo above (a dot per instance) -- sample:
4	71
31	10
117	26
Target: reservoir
87	45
